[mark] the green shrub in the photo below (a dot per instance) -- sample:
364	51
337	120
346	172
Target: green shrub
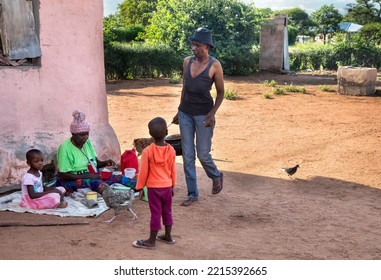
140	60
230	94
268	83
239	60
266	95
291	88
326	88
127	34
278	91
175	78
344	52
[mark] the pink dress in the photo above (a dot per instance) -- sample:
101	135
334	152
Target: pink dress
48	201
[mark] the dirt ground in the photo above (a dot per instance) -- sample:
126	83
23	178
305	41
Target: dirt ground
331	211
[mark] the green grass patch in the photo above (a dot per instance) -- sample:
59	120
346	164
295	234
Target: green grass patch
175	78
278	91
292	88
268	83
229	94
266	95
326	88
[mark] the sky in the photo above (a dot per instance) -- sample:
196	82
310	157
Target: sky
309	6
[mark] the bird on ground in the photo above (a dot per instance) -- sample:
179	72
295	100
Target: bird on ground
117	199
290	170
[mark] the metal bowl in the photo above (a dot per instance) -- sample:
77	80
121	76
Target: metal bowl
175	141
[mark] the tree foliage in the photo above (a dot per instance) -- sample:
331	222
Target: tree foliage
327	20
364	12
299	19
231	21
132	12
372	32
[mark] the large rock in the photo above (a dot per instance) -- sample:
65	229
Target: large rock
356	80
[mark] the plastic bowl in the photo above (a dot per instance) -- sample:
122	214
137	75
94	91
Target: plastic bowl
129	172
105	174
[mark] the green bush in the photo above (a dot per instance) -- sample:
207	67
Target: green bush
268	83
126	34
291	88
326	88
356	52
239	60
175	78
278	91
140	60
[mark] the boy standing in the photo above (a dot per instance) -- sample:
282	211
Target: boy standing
158	173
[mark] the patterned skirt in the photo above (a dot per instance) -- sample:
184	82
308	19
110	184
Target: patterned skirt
72	186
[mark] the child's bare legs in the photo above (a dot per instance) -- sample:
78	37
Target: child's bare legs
63	204
150	243
167	235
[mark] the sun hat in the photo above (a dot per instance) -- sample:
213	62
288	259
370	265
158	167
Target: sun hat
79	124
203	35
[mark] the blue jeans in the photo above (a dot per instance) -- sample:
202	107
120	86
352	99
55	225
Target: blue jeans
191	127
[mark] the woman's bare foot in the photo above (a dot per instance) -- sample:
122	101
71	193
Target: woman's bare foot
63	204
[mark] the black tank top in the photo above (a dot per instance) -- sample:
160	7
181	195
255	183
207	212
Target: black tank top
196	99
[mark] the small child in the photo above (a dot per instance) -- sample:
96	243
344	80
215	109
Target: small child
158	173
34	194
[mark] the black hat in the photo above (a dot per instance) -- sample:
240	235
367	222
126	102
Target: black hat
203	35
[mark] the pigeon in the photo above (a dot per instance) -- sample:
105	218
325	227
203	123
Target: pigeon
117	199
290	170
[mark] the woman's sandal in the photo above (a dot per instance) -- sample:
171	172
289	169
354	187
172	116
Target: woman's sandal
218	185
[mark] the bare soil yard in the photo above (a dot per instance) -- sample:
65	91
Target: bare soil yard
331	211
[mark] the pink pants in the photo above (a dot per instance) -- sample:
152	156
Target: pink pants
160	205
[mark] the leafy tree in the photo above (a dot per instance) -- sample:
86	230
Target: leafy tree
364	11
297	18
110	22
372	32
292	34
327	20
138	12
232	22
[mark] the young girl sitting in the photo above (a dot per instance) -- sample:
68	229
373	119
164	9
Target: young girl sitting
34	194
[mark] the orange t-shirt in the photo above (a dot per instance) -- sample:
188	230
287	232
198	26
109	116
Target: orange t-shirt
157	167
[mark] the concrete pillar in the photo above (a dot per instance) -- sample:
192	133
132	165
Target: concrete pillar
274	45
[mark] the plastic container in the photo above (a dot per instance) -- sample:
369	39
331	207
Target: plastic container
145	194
92	166
105	174
121	188
129	172
92	195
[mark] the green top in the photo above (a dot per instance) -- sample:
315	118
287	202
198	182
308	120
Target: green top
73	159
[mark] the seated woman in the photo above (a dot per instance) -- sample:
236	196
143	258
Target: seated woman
76	154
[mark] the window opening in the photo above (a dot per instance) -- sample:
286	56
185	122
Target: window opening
19	35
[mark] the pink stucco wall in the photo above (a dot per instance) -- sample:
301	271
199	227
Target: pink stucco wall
37	102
